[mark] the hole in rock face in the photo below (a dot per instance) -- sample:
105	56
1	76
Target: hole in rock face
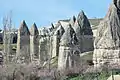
90	62
76	52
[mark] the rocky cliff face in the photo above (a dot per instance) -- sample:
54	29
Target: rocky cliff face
107	42
66	38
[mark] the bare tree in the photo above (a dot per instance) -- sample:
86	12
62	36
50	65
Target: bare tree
7	26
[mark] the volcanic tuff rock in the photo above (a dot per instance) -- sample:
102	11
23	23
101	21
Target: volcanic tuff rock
44	44
107	42
67	37
34	30
84	33
55	40
68	50
34	42
59	31
23	44
72	20
84	24
77	29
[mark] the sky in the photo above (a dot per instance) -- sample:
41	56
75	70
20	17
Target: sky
44	12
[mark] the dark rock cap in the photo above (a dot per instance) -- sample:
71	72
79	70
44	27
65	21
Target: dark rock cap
68	36
52	27
84	24
72	20
34	30
23	28
77	29
60	30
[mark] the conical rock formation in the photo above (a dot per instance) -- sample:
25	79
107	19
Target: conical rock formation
107	42
68	50
84	24
56	40
23	44
34	42
84	33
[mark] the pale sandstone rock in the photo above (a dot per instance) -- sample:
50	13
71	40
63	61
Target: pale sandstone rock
107	42
34	42
56	40
68	50
84	33
44	45
73	20
84	24
23	44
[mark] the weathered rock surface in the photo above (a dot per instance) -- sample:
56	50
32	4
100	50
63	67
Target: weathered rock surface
84	24
23	44
84	33
44	45
107	42
34	42
73	20
56	40
68	50
1	58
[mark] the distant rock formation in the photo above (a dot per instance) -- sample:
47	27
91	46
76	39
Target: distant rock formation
107	42
44	44
56	40
23	44
34	42
84	33
51	39
84	24
64	40
68	50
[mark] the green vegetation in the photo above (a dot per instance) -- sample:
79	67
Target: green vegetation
95	76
